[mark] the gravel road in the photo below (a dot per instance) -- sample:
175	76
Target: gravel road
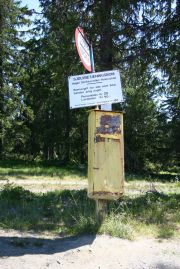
30	251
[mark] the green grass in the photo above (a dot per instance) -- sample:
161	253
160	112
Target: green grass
140	184
150	207
155	177
60	212
72	212
24	169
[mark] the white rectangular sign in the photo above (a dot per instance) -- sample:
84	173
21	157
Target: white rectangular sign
95	89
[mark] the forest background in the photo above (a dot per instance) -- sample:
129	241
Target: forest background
37	54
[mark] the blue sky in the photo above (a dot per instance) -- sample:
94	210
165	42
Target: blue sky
32	4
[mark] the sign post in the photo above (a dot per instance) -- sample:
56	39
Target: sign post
105	128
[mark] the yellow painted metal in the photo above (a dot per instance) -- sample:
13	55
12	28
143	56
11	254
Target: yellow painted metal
105	155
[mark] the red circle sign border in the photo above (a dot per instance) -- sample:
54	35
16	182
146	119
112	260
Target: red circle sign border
78	32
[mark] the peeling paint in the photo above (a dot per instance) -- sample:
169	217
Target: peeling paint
105	155
109	125
98	139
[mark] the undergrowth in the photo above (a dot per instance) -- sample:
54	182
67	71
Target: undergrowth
72	212
23	169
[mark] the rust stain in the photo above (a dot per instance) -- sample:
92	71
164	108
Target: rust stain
109	125
98	139
105	195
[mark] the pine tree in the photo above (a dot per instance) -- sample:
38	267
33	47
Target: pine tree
12	17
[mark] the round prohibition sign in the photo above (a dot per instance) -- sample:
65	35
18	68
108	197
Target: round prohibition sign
83	48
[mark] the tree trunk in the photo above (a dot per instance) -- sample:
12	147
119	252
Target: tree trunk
67	138
1	83
106	35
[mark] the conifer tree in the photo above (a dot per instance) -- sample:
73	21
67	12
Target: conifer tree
12	18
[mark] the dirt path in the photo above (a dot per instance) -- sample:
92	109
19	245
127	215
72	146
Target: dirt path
30	251
44	185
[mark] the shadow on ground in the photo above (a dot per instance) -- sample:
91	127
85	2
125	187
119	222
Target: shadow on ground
164	266
19	246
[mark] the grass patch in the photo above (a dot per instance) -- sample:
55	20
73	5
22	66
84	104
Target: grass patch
166	231
118	225
138	185
59	212
72	212
153	214
23	169
154	177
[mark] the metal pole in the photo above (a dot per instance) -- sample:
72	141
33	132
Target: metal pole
92	59
106	106
92	64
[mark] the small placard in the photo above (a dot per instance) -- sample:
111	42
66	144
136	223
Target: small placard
95	89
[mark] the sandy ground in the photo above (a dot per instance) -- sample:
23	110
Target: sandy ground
29	251
38	184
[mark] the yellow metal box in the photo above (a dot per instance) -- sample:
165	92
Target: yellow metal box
105	155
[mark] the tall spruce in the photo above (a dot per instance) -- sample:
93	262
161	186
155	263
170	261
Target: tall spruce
12	17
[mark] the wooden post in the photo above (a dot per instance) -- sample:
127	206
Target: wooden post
101	209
